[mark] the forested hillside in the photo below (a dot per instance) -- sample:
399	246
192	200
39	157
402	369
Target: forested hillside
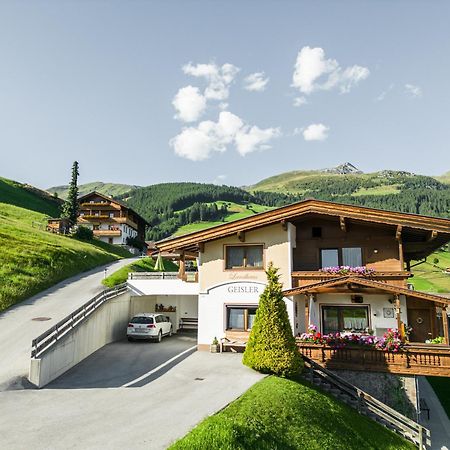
181	207
169	206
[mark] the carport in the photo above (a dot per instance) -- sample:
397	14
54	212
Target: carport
174	298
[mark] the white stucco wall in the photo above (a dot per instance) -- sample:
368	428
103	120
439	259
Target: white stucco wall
376	303
213	302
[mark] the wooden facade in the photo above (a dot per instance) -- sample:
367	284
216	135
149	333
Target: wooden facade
384	243
98	210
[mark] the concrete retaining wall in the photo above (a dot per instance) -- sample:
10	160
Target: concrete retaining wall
107	324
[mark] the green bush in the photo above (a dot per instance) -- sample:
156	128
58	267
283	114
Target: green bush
271	346
83	233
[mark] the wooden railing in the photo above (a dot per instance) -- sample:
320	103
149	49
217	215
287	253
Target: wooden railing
381	412
303	278
413	359
107	232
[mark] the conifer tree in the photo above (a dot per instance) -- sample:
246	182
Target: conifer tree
271	347
70	207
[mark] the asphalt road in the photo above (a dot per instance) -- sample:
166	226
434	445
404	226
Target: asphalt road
148	417
17	327
123	362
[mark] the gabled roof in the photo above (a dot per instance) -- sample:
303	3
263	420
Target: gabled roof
191	241
112	200
364	283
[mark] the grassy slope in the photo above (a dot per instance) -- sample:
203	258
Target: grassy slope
236	211
142	265
282	414
17	194
113	189
429	277
33	259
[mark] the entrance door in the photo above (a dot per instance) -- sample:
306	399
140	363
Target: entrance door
420	322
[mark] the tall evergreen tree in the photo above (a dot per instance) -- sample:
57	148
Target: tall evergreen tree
271	347
71	206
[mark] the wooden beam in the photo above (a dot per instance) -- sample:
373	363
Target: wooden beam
241	236
398	232
284	225
342	224
433	236
201	247
445	325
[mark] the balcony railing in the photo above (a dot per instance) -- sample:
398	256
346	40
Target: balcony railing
107	233
303	278
413	359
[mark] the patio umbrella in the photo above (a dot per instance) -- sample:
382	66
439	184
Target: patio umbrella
312	312
159	266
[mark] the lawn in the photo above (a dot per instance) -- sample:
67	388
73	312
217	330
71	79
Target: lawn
441	386
281	414
18	194
33	259
142	265
235	211
430	276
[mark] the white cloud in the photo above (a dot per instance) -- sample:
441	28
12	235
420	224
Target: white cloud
199	143
219	179
189	104
218	78
300	101
315	132
314	72
382	96
413	90
256	82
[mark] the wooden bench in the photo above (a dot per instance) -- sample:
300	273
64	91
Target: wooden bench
424	407
189	323
235	346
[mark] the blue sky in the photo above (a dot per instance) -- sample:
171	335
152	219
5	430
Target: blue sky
97	81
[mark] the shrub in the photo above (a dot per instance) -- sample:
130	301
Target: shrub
83	233
136	243
271	346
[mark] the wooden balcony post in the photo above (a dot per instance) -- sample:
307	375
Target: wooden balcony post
399	319
445	324
182	267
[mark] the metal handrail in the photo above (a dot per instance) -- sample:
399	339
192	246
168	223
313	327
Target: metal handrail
153	276
44	341
410	429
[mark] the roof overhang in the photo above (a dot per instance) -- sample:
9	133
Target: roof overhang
354	282
438	229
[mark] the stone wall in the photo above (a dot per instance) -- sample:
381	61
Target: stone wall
397	391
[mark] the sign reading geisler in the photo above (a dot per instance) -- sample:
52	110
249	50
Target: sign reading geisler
243	289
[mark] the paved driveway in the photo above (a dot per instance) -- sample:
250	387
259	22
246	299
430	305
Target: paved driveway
149	417
17	329
127	363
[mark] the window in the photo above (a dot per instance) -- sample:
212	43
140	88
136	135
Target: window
329	257
141	319
244	257
352	257
348	256
111	215
316	232
240	318
345	318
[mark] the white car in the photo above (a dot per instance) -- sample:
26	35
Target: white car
149	326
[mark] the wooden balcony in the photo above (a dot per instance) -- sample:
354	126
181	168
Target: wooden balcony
304	278
91	205
108	233
413	359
